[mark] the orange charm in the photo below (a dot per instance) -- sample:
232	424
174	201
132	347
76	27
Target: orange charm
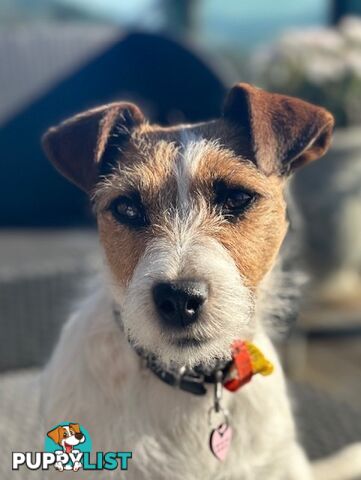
240	371
247	360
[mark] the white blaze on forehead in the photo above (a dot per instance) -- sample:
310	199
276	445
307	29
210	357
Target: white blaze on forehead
194	148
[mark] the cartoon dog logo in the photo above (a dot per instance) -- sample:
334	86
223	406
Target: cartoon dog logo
67	437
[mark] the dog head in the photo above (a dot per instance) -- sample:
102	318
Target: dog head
191	217
67	436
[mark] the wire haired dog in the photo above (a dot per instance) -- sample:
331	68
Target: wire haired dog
191	219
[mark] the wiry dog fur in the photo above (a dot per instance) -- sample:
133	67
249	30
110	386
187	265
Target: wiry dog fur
95	375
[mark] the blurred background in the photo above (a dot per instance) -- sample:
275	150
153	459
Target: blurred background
176	58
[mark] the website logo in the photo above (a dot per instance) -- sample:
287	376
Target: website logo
68	447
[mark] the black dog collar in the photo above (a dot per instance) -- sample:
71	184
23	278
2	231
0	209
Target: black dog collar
192	381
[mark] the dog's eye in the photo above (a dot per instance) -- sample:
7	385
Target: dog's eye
233	201
65	435
128	211
237	200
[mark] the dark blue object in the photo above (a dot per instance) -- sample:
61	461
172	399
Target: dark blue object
165	78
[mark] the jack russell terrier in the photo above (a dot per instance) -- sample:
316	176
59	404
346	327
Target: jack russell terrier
67	437
161	358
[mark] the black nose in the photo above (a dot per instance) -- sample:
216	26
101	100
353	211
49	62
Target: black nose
79	436
179	303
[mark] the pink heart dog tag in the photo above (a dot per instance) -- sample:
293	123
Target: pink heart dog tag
220	441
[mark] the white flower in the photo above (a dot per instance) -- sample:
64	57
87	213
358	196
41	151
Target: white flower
303	59
350	28
320	69
322	39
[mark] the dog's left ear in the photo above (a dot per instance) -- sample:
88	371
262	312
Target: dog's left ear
284	132
54	434
82	146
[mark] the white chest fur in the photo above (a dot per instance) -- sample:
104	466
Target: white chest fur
96	379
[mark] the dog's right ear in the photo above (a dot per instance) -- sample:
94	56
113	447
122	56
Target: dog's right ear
284	132
81	146
54	434
75	427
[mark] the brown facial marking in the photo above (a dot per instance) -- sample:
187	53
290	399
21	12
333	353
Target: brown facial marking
254	239
148	166
123	247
